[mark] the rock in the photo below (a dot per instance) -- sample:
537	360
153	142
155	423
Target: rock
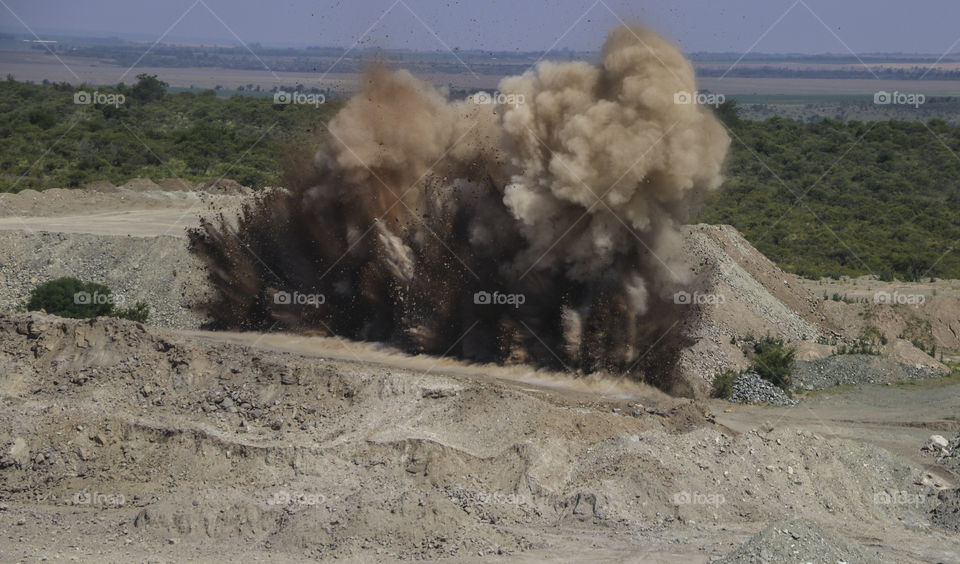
937	442
751	388
19	453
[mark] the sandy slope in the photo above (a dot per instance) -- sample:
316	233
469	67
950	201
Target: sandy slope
190	447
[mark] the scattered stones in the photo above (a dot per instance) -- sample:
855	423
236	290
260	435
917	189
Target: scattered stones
796	541
751	388
853	370
946	515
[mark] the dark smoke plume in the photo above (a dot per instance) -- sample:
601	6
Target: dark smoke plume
425	222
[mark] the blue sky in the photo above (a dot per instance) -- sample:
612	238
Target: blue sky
766	26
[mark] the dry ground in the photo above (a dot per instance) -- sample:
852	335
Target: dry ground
123	442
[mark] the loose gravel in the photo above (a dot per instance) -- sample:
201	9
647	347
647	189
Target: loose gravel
790	542
751	388
854	369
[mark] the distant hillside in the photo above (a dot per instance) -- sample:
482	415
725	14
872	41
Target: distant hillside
877	198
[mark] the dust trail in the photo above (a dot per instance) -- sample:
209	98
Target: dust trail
543	230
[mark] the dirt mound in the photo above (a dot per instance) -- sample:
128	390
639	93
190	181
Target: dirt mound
206	448
224	186
789	542
740	293
176	185
100	186
141	185
934	321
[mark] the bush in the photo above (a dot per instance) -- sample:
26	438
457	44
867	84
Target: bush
723	383
70	297
139	312
773	362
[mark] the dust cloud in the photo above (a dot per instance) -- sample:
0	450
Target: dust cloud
538	224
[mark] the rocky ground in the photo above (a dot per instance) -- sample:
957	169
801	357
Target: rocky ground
855	369
160	442
127	442
797	541
751	388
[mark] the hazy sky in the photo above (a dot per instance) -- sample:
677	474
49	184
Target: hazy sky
768	26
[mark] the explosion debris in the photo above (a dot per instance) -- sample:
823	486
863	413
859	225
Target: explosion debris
419	210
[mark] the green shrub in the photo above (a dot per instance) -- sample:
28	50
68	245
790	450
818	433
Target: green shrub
773	362
139	312
723	383
70	297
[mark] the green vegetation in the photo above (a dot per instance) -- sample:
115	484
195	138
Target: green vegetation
868	342
920	333
723	383
69	297
878	197
48	141
773	361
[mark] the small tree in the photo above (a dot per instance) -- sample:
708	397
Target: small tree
773	361
148	88
723	383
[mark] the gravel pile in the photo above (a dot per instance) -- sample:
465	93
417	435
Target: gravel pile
947	514
854	369
159	271
795	541
751	388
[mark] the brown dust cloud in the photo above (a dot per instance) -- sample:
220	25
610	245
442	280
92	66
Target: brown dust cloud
536	224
